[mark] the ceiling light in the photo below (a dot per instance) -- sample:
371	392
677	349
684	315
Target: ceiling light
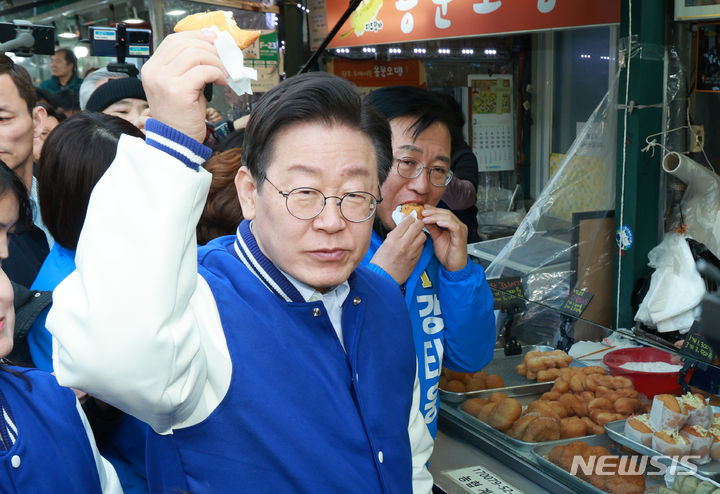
134	19
176	12
81	51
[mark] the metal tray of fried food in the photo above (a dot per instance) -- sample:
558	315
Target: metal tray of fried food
504	366
525	395
616	431
540	452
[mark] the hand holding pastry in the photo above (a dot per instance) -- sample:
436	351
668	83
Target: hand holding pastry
174	79
401	250
449	236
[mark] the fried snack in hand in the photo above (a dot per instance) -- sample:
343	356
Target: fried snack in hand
223	20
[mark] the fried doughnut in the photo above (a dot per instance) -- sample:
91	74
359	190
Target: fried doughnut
492	381
455	386
497	397
577	448
592	427
576	384
587	396
560	410
572	427
535	363
532	375
454	375
224	21
600	403
593	369
591	382
518	428
627	393
521	369
409	207
542	429
606	381
627	406
561	386
476	383
604	417
543	408
485	411
474	405
551	396
621	382
547	375
573	404
555	454
442	382
505	413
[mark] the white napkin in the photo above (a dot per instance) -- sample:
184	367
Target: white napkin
232	58
398	217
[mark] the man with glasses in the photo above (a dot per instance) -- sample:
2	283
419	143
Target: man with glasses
265	361
449	300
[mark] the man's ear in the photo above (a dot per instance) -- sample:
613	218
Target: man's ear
246	191
39	115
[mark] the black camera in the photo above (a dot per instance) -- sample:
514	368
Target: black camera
119	42
26	39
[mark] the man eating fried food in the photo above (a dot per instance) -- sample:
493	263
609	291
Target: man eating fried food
449	300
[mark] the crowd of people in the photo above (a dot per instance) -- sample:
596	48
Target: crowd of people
182	311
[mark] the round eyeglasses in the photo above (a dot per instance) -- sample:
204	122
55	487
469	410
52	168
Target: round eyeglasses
305	203
411	168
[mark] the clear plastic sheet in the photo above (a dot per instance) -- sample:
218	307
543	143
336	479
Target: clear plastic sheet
566	239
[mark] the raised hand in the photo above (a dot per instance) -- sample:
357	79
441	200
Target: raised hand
174	79
401	250
449	236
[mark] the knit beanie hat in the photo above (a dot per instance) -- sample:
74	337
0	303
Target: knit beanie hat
115	90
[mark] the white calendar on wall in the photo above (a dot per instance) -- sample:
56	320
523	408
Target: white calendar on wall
491	121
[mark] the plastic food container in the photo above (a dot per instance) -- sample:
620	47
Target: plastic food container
648	383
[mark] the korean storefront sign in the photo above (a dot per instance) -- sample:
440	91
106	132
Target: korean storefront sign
394	21
376	73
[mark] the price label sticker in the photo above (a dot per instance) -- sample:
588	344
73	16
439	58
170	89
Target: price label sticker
477	480
697	347
507	292
577	302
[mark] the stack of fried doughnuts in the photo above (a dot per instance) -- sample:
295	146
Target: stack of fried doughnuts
461	382
609	481
580	403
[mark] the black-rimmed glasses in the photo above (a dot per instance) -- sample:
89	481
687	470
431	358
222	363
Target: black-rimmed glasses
305	203
409	167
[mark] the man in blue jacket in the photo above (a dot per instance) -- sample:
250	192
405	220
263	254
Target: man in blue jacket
450	302
267	361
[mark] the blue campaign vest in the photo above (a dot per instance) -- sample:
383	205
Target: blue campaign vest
52	447
300	415
430	319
